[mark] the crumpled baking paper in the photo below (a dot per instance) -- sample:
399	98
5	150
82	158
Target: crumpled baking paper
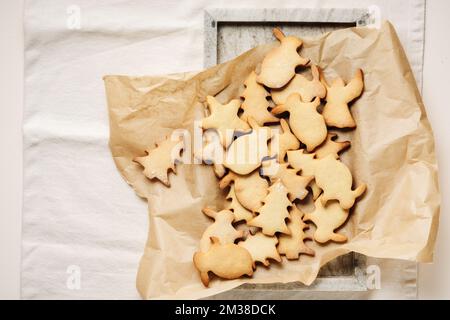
392	151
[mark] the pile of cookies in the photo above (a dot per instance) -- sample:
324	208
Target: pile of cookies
261	220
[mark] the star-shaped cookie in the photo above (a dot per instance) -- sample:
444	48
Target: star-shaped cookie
225	119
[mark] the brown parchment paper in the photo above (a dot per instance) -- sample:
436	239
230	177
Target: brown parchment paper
392	151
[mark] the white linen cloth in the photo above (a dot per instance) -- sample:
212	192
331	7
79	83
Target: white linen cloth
84	229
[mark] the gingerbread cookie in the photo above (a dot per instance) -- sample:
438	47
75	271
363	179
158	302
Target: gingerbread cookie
308	89
327	219
239	211
255	103
250	190
228	261
294	183
224	118
160	160
261	248
278	67
246	152
222	229
331	147
281	143
336	111
294	244
272	215
306	122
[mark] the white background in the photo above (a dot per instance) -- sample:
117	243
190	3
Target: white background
434	280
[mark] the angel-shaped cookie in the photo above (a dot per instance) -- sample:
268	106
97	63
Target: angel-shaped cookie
256	105
161	159
336	111
278	67
308	89
225	119
306	122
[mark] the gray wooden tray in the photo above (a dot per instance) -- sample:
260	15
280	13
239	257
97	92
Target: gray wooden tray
230	32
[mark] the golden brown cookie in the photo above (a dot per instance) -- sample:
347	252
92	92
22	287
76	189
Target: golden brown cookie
272	215
278	67
327	219
306	122
330	146
239	211
308	89
224	118
331	175
281	143
250	189
228	261
246	152
336	111
261	248
161	159
255	103
212	152
336	181
294	244
305	162
222	229
294	183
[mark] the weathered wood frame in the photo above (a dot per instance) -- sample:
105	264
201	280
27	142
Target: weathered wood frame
213	17
357	16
